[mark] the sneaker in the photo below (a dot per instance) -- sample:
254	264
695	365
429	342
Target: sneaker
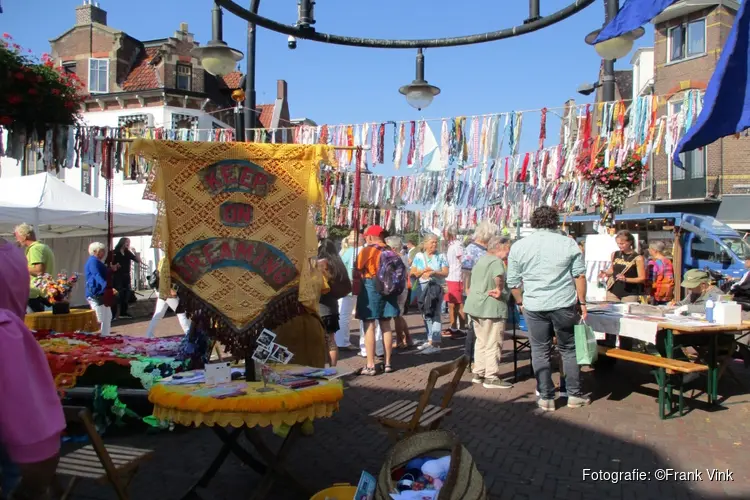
578	402
537	394
478	379
546	404
422	347
430	350
496	383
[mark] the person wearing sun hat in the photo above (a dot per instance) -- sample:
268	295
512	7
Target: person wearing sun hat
372	307
699	287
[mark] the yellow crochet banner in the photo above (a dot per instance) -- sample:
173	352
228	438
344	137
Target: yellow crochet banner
237	222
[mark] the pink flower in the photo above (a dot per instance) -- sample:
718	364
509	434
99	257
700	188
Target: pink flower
7	36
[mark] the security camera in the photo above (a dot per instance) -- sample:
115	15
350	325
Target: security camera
291	42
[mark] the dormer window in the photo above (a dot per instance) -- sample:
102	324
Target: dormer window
98	76
687	40
184	77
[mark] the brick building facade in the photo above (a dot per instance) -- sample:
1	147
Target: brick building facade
132	77
688	40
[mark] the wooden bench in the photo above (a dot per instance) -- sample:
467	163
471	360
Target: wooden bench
664	370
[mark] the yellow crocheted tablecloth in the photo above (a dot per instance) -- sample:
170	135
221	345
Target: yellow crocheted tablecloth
78	320
281	405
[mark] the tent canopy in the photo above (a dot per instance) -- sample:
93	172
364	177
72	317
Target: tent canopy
57	210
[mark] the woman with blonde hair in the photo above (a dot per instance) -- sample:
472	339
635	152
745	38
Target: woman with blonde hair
346	304
432	268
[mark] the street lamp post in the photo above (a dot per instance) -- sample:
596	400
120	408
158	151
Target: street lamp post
250	104
419	94
608	73
610	50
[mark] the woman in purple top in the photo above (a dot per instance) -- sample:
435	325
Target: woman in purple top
31	417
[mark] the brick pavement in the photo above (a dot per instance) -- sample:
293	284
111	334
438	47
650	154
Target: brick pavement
522	452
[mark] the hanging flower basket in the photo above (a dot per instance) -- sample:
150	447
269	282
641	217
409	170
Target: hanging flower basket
615	184
35	95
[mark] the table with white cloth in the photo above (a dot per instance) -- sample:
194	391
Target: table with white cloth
646	328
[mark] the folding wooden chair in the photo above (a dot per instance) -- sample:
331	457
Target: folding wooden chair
116	465
410	417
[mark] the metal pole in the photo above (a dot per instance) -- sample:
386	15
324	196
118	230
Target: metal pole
239	127
250	104
217	27
608	73
420	65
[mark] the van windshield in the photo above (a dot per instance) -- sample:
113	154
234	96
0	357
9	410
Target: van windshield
739	246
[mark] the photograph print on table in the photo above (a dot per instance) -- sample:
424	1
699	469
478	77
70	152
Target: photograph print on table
283	355
266	337
261	354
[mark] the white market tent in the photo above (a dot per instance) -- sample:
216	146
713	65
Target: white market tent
66	219
57	210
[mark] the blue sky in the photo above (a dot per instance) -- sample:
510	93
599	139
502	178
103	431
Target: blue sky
332	84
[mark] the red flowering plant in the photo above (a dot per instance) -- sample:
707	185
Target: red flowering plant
614	184
35	94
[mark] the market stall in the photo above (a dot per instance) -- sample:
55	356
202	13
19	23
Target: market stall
66	219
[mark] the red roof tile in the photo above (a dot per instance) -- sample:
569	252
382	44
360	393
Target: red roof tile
266	115
142	75
231	80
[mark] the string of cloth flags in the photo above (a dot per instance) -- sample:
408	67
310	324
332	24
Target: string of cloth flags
475	168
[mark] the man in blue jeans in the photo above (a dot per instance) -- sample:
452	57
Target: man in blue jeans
547	276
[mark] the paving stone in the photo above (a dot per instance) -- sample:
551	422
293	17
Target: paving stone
522	452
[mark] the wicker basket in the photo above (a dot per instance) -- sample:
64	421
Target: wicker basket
464	482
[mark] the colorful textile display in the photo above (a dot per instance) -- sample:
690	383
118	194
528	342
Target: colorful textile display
236	223
71	354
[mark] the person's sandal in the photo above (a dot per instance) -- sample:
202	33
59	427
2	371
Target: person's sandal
370	372
388	369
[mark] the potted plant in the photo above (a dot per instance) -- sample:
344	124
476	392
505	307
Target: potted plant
35	95
57	290
615	184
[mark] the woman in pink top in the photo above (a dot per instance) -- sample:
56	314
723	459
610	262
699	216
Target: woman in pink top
31	417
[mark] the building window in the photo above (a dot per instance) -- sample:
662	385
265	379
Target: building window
98	76
69	68
687	40
184	77
694	162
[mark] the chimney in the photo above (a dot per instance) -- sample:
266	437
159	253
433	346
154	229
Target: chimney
184	27
90	12
281	89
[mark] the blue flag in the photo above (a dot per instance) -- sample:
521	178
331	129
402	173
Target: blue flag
726	105
632	15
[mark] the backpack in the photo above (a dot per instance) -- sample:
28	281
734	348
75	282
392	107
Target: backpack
153	280
391	278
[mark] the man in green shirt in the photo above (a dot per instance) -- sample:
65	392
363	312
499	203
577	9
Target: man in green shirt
41	261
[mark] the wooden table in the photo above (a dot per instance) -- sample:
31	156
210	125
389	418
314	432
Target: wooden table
675	329
77	320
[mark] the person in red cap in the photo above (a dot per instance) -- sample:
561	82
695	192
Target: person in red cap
372	307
